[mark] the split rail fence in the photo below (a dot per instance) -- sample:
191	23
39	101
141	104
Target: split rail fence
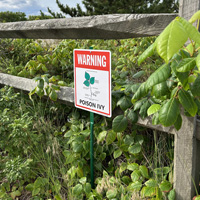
119	26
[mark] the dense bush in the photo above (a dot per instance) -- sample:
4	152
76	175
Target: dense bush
45	145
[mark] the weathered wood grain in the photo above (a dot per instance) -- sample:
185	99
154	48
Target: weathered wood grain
186	160
116	26
66	94
187	8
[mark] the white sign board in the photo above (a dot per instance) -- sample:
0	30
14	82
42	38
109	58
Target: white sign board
92	81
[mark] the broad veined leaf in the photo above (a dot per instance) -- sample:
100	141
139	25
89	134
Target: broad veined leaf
119	123
111	193
144	108
132	116
169	41
124	102
186	64
160	89
159	76
155	119
147	53
195	87
53	95
165	186
169	112
111	137
198	61
144	171
136	148
138	74
153	109
172	195
178	122
188	102
182	76
117	153
135	186
195	17
135	175
192	32
77	190
101	136
141	92
139	103
148	191
132	166
151	183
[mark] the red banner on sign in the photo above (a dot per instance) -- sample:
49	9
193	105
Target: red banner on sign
92	60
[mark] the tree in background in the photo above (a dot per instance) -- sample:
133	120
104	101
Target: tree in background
12	16
39	17
99	7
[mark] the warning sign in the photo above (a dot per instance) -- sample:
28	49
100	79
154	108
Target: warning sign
92	81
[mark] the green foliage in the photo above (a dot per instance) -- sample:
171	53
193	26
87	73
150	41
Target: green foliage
181	69
111	7
55	138
12	16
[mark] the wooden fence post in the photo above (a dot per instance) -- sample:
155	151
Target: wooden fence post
187	146
186	160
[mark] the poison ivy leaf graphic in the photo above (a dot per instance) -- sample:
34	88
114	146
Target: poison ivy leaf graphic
92	80
86	83
87	76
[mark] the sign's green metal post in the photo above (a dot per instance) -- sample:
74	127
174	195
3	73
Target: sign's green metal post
91	146
91	149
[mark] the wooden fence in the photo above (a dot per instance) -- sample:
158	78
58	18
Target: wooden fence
120	26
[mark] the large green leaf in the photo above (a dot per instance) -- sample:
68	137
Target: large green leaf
159	76
111	137
124	102
188	102
169	112
171	40
182	76
144	171
151	183
186	64
153	109
135	175
119	123
195	88
141	92
148	191
144	108
178	123
111	193
135	186
147	53
132	116
77	190
165	186
160	89
136	148
192	32
117	153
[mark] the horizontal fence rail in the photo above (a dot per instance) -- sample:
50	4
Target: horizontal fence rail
66	95
116	26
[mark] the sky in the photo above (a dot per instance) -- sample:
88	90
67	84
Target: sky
33	7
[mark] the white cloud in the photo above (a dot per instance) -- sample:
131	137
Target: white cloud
33	7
